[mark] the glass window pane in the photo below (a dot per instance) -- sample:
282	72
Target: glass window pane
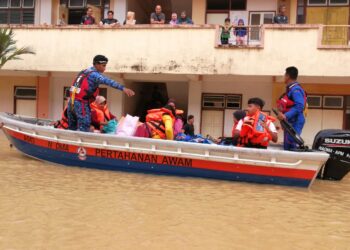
28	3
28	16
317	2
3	16
238	4
94	2
3	3
338	2
300	2
15	3
217	4
15	16
268	18
76	3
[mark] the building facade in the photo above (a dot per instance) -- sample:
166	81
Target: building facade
183	62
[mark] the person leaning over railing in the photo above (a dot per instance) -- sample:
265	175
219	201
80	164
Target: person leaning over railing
184	19
158	16
281	18
173	20
130	18
226	31
110	20
240	33
88	19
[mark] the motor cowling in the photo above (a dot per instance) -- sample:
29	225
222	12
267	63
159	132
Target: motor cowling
337	144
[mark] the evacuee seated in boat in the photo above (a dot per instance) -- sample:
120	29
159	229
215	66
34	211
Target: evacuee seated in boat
256	130
100	114
232	141
63	123
161	121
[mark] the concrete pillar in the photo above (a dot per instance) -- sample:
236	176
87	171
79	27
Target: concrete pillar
194	102
120	9
42	101
199	11
293	11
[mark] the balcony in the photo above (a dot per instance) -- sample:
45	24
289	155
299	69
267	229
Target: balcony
182	50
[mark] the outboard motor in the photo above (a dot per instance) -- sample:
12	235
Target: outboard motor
337	144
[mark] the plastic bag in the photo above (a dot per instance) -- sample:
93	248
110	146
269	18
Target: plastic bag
111	127
127	125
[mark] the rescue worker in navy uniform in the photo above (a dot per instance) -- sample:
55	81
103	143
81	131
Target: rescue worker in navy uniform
84	91
294	113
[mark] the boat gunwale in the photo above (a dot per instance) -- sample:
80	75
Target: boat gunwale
272	153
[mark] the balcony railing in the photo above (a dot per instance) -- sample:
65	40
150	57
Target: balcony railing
334	37
239	37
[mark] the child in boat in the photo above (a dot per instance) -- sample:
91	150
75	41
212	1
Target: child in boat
256	130
226	31
100	114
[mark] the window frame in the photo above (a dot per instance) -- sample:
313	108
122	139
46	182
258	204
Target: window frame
22	9
328	3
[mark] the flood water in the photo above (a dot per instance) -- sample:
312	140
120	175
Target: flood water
44	206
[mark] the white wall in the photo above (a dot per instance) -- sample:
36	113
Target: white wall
259	5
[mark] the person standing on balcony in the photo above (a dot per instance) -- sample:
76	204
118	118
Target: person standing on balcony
294	113
184	19
158	16
88	19
281	18
226	31
84	91
173	20
110	20
240	33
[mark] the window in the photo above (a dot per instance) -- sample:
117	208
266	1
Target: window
328	2
3	4
17	12
333	102
338	2
238	4
213	101
83	3
25	92
76	4
233	101
218	5
217	101
317	2
301	12
314	101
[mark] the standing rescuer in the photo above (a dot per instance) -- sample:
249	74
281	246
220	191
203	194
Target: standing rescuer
84	90
292	106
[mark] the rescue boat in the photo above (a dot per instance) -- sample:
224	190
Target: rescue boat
37	139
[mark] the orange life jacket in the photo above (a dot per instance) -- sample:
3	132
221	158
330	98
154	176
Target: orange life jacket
63	123
253	133
154	120
99	115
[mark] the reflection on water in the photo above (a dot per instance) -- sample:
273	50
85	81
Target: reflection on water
44	206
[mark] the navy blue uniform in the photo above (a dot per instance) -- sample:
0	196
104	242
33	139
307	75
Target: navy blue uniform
79	114
295	116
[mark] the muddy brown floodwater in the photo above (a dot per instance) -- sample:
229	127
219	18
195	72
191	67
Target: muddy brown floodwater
44	206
